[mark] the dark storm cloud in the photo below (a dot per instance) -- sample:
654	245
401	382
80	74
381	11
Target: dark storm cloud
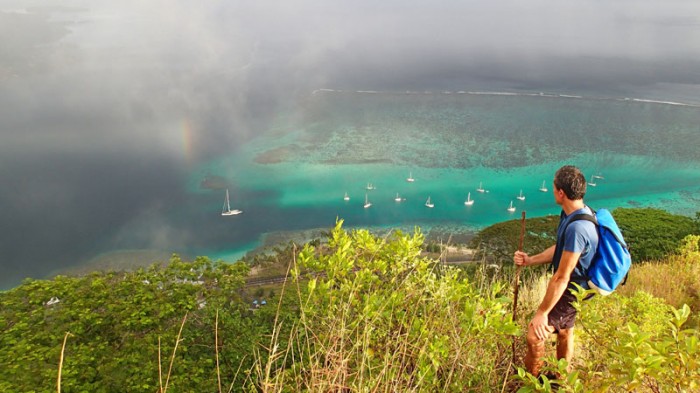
94	94
57	210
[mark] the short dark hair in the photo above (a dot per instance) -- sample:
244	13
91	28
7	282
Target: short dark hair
570	180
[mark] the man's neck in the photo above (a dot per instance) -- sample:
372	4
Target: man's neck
569	206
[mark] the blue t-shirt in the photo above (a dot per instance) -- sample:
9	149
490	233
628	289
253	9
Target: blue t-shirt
581	236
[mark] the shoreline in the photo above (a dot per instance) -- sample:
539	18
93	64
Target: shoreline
117	260
450	234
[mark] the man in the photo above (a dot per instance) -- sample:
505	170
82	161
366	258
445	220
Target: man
570	256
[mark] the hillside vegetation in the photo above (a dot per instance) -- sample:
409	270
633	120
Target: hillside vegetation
118	324
651	234
360	313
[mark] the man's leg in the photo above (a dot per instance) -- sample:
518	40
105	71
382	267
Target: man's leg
565	345
535	351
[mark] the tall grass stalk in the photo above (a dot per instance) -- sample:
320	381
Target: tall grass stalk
60	362
216	349
235	376
172	358
160	369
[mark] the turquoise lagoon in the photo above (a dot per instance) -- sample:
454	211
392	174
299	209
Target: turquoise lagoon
293	177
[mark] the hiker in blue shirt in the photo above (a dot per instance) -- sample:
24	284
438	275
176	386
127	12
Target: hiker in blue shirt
570	258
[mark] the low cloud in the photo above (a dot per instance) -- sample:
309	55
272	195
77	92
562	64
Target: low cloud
105	73
97	97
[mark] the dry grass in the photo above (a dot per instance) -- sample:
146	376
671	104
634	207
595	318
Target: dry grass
676	279
60	363
532	292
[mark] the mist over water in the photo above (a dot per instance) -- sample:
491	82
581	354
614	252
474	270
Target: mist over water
113	113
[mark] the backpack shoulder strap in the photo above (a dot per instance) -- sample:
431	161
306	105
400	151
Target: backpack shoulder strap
577	217
581	217
584	217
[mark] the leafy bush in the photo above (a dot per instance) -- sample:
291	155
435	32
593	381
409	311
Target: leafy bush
117	322
639	343
636	343
374	313
500	240
676	278
379	315
653	234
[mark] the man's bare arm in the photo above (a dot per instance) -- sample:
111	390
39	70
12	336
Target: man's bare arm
522	259
560	280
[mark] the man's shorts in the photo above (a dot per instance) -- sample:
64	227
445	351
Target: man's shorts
563	315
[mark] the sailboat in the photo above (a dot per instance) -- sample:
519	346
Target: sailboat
511	208
367	202
429	204
469	200
410	178
398	198
543	188
226	211
592	183
370	186
480	189
346	197
521	196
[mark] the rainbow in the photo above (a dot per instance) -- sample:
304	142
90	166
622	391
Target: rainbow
188	142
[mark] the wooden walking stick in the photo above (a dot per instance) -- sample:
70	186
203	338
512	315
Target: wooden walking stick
516	284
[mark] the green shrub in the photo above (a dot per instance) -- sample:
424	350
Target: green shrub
117	321
378	315
373	314
653	234
625	344
500	240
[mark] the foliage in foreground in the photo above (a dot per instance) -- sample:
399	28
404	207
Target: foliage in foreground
117	322
382	318
376	316
675	279
627	344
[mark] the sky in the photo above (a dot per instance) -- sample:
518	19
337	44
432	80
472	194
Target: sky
104	105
